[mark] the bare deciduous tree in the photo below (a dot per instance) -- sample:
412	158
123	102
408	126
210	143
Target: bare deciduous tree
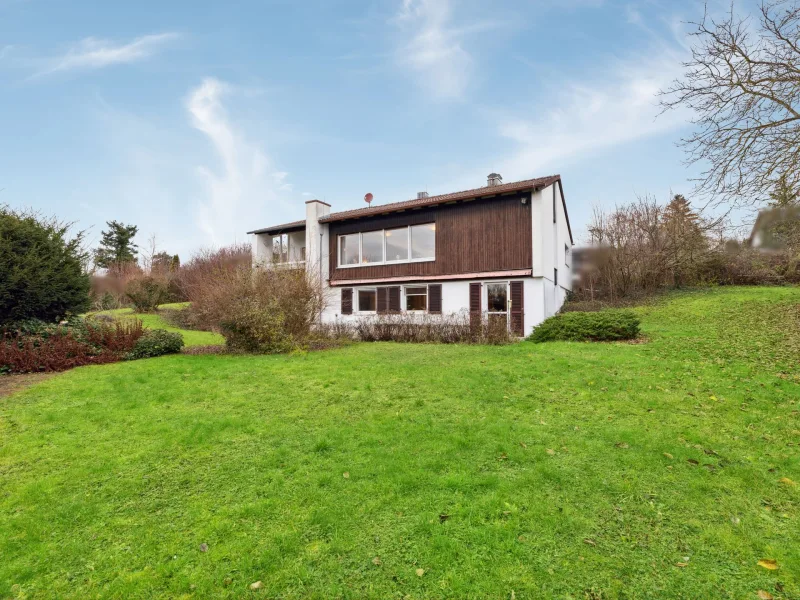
743	84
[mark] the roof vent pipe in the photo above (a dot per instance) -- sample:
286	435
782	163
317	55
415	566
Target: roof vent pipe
494	179
421	195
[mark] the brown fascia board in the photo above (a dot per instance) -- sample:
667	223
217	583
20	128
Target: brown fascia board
482	192
414	278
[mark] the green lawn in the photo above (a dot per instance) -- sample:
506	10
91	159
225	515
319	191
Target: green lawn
561	470
155	321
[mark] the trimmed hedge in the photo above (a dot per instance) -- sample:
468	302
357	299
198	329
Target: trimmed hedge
603	326
156	342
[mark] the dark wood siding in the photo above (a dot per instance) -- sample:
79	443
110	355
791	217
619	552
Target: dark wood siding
517	308
347	301
435	298
471	237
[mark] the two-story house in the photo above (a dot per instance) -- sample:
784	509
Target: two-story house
503	250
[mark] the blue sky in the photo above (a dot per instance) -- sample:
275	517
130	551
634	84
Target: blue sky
198	121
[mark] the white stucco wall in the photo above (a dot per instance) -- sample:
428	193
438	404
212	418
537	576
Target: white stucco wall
540	300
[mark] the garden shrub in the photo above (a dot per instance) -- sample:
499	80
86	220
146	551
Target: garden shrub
156	342
35	346
456	328
41	268
146	293
607	325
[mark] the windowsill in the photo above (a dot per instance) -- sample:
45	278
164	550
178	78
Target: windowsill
387	263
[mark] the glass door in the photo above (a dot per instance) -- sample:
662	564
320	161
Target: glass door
497	304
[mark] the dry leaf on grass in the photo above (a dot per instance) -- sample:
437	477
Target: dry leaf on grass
203	547
256	585
764	595
786	481
668	455
346	475
768	563
589	542
681	564
376	560
622	445
420	572
550	451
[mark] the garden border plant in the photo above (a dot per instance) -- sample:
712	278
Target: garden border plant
600	326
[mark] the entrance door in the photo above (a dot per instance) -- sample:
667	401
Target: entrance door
497	304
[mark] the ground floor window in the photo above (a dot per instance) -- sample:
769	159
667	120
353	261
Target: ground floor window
367	300
417	299
497	297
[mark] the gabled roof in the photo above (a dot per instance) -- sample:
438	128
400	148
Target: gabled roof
481	192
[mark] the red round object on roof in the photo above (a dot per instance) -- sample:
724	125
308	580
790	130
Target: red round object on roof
368	198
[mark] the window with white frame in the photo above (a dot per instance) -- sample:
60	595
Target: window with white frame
396	244
384	246
372	247
566	255
417	298
349	249
367	300
423	241
280	248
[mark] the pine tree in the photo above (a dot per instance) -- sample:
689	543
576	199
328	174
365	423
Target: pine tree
685	241
116	245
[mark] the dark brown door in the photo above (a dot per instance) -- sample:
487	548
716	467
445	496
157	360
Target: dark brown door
517	308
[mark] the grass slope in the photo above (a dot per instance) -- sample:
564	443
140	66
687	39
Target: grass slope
155	321
560	470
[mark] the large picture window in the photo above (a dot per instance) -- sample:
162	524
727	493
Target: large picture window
423	241
402	244
348	249
396	244
372	247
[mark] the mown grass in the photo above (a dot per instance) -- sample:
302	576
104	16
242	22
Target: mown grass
156	321
559	470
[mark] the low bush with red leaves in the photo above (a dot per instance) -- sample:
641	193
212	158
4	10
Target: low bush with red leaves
35	347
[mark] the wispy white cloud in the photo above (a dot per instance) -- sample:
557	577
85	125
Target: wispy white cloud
581	117
244	187
434	50
93	53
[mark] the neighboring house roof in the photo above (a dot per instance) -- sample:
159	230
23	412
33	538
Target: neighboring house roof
481	192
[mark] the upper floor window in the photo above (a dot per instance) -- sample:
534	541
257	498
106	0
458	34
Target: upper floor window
372	247
566	255
280	248
402	244
349	250
423	241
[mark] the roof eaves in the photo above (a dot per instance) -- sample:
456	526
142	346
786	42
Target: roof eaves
514	186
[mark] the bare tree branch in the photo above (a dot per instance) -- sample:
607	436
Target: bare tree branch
743	84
